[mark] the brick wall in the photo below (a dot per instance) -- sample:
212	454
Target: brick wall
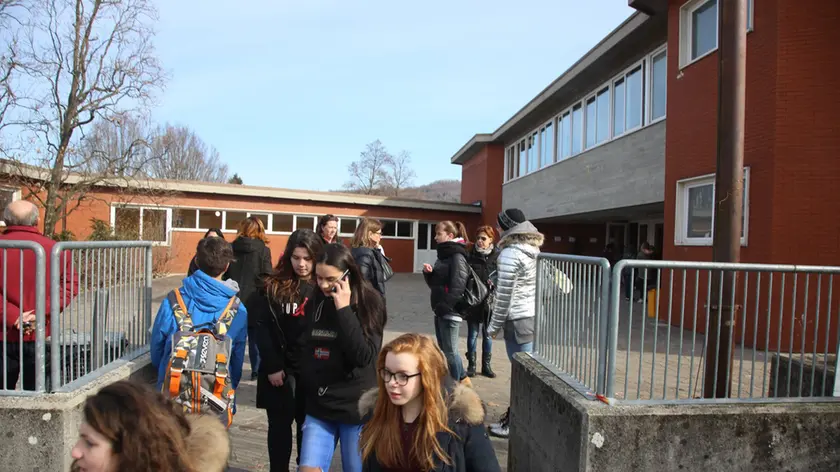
481	181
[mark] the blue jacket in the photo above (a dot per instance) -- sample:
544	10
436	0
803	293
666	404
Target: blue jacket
205	298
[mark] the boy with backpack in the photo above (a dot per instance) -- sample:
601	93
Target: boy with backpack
199	334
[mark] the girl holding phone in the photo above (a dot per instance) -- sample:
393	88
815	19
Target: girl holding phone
347	320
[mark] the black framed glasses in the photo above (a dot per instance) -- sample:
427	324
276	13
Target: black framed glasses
401	377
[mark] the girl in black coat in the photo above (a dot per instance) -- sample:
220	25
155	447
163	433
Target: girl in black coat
448	281
482	258
418	419
368	254
280	312
211	233
252	262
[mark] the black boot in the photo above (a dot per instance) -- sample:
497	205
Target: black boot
470	364
486	370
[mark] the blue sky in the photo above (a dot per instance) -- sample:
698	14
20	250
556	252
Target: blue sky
290	92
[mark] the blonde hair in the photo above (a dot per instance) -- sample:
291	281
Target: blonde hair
252	227
381	434
361	238
454	227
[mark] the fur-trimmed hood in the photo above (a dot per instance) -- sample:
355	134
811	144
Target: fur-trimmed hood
208	443
534	239
464	405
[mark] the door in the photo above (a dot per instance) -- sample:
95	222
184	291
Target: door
426	247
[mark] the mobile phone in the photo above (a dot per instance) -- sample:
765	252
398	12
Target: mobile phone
343	277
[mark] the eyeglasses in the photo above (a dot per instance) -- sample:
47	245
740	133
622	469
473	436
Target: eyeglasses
401	377
483	238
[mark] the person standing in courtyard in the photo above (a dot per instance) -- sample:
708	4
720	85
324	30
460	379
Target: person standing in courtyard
280	311
447	281
328	229
515	305
482	258
366	251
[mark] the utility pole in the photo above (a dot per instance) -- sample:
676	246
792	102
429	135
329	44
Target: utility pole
729	192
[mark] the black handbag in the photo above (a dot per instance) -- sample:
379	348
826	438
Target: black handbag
387	271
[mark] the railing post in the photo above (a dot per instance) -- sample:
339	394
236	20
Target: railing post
147	295
40	318
614	313
55	357
100	314
603	349
540	310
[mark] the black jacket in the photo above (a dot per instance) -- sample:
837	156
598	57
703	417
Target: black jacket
483	265
370	262
339	362
448	278
193	267
252	262
281	337
470	449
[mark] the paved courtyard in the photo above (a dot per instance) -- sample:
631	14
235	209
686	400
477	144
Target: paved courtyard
408	311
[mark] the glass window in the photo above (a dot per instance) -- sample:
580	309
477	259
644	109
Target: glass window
389	228
282	223
305	222
590	122
658	85
127	223
405	229
233	218
700	207
511	162
618	108
262	217
704	29
547	145
154	225
577	129
209	219
633	111
603	105
423	236
533	155
347	225
566	138
523	158
183	218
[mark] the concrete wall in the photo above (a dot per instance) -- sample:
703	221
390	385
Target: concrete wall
38	432
625	172
553	427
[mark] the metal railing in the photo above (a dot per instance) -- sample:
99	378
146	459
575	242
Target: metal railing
108	315
608	339
571	328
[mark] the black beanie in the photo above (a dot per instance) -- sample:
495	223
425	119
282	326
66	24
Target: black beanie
510	218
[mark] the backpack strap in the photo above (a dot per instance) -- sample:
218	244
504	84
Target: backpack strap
179	309
226	318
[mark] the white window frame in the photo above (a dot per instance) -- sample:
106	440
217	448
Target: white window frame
397	221
16	195
681	210
686	25
358	220
649	87
142	208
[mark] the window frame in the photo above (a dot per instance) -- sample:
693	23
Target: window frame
142	208
681	210
649	92
686	29
397	221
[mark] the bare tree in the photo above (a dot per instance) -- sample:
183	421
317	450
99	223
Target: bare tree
369	174
184	156
120	146
398	173
84	59
12	15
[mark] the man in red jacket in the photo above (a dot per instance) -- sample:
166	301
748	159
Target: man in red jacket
21	219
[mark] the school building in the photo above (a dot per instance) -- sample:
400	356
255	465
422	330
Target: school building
622	146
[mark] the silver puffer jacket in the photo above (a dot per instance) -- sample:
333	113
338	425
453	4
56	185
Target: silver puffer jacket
516	271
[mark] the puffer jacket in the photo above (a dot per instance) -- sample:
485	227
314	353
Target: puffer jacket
448	279
516	270
370	262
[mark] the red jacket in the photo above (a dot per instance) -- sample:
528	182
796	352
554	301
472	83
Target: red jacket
17	302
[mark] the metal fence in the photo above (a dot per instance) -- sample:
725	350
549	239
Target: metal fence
91	306
776	329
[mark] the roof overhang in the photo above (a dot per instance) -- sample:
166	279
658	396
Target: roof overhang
473	146
650	7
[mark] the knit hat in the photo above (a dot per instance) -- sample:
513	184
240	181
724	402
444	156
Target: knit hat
510	218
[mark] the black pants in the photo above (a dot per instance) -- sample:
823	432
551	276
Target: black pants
290	409
10	362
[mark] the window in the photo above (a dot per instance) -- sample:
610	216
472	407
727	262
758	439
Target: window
154	225
233	218
699	21
347	226
405	229
397	229
695	212
633	107
141	223
533	153
260	216
208	219
282	223
658	85
577	129
547	145
510	162
305	222
523	158
127	223
566	138
603	115
184	218
590	122
618	107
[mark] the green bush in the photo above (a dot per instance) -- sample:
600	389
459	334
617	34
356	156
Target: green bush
65	235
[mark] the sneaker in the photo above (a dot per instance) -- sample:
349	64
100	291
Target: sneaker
502	428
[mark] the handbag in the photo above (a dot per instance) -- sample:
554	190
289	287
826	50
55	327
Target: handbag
387	271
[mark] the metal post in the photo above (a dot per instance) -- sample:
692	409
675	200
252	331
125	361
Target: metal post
729	186
55	335
604	328
100	315
40	318
147	298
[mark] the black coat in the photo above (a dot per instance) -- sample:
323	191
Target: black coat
469	450
371	263
252	262
448	279
338	363
281	334
483	265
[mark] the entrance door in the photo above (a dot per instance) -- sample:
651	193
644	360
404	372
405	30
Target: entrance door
426	247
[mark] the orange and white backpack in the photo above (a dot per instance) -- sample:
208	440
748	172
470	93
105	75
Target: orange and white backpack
198	376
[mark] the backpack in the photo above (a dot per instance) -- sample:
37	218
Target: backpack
476	291
198	376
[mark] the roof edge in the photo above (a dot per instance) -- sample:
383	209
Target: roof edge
468	150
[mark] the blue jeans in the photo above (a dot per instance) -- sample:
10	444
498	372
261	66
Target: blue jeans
319	440
253	351
447	332
512	346
473	328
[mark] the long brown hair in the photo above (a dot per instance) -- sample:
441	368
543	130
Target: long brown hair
454	227
361	238
146	431
252	227
381	434
283	284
